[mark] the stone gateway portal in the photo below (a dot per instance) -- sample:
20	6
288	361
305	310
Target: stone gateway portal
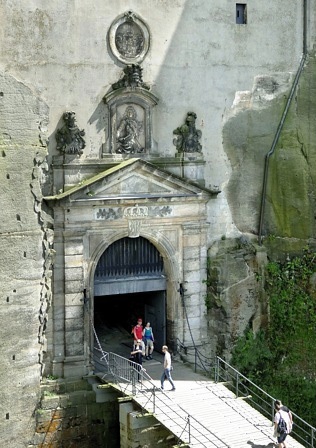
121	121
128	232
128	236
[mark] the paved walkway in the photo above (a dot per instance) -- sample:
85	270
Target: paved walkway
217	418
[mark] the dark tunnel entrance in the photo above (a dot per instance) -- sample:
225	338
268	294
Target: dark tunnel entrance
122	311
130	283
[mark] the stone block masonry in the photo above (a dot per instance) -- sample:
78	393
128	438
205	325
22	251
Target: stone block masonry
142	430
75	414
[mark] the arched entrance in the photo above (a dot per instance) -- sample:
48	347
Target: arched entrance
157	215
130	282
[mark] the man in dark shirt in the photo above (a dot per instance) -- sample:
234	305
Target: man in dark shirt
137	354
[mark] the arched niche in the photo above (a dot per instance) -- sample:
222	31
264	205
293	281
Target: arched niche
130	107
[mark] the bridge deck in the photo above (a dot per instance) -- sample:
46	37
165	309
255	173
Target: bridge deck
218	418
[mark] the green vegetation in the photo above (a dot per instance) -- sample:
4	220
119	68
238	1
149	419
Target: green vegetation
52	377
282	358
49	393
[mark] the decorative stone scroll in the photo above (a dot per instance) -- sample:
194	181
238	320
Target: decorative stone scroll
187	136
129	38
132	77
69	137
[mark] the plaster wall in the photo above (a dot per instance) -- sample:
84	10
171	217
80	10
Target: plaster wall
197	51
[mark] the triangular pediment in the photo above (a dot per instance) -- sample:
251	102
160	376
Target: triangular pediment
133	179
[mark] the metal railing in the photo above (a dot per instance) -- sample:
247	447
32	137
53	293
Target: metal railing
132	378
242	386
201	362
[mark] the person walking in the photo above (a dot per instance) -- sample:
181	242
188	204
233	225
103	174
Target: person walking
137	356
138	333
148	337
166	369
282	412
279	405
138	330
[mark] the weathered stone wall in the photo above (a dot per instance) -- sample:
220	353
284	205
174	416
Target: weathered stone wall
197	60
290	197
75	414
235	296
25	265
247	142
141	430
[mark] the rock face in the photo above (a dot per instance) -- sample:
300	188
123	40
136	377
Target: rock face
247	142
291	191
25	244
55	58
235	297
290	198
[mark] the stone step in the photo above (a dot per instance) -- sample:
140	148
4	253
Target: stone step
63	386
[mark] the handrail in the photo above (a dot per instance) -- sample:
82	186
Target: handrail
242	386
201	361
132	377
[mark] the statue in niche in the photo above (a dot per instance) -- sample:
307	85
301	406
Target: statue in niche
132	77
69	137
129	38
187	136
128	133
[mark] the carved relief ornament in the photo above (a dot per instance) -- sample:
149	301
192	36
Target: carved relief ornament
129	38
130	120
70	138
187	136
133	215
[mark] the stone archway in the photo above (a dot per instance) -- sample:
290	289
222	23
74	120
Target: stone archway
129	282
164	289
167	211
